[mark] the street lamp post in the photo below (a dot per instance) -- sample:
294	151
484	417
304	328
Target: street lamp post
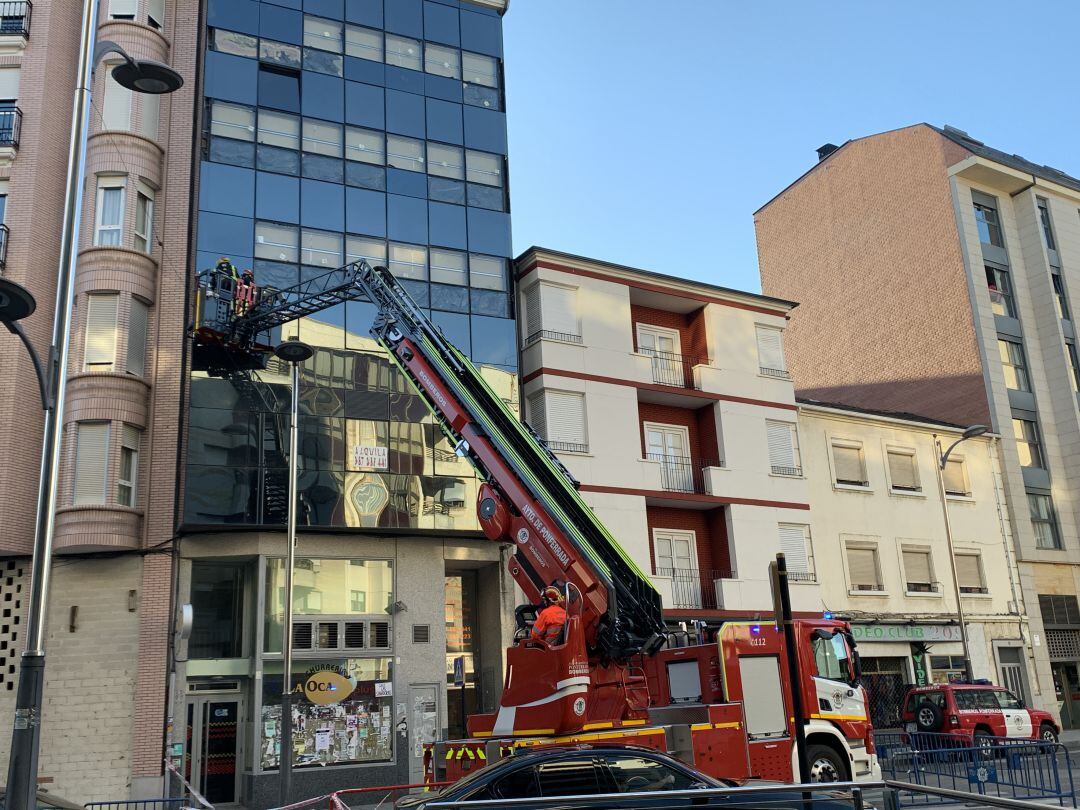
294	353
942	460
141	76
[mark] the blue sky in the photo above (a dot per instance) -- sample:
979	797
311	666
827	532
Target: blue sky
647	133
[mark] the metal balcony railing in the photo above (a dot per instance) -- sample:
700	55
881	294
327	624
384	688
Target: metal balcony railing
683	473
10	126
923	587
693	588
544	334
801	576
3	246
566	447
15	18
794	472
779	373
669	368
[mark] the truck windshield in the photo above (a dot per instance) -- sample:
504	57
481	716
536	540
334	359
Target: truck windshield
832	657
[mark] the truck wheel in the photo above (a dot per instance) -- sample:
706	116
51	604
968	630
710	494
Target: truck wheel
1047	733
825	764
983	740
928	717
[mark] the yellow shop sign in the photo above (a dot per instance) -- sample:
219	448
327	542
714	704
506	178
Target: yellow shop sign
325	686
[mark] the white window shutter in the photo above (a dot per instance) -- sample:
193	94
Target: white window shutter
917	566
156	14
902	470
538	415
150	115
793	543
533	321
136	343
91	461
967	571
781	449
9	83
121	8
849	464
100	351
954	477
862	568
116	110
770	348
566	417
559	310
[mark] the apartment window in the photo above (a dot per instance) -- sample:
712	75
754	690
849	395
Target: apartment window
372	251
1012	361
279	243
482	167
986	218
448	267
99	353
278	53
955	478
155	14
129	466
442	61
109	225
234	43
770	346
116	107
1059	610
322	34
1028	445
674	551
91	460
477	69
783	440
232	121
863	569
1074	364
402	52
1043	521
122	9
364	43
969	574
669	445
445	161
408	261
918	574
320	248
365	146
150	115
321	138
405	153
144	217
559	418
903	471
1059	296
848	464
136	338
279	129
795	543
1044	220
487	272
1000	287
551	312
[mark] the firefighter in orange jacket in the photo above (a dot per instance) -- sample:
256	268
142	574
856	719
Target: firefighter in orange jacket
551	619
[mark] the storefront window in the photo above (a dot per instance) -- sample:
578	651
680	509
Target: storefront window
326	588
356	728
217	602
947	668
461	642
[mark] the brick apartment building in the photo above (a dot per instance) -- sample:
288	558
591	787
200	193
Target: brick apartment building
934	275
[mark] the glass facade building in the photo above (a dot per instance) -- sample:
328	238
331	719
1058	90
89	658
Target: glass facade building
334	130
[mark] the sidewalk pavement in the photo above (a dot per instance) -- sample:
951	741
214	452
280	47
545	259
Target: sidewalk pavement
1070	738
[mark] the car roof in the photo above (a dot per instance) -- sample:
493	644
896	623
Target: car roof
938	686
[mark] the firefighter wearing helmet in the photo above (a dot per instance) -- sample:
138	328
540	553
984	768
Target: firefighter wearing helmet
551	619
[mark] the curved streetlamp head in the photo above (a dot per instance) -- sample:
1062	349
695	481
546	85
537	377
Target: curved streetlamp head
147	76
16	302
975	430
293	351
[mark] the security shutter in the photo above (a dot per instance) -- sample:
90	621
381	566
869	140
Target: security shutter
116	109
954	477
537	414
566	417
136	346
9	84
122	9
793	544
902	471
533	321
156	13
781	437
917	567
91	461
559	310
849	465
862	567
967	571
150	115
770	349
100	350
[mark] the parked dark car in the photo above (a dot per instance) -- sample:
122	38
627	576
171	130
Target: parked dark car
558	771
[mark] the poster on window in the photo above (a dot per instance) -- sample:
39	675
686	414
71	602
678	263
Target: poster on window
368	457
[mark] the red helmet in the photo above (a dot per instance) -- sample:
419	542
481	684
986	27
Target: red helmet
249	272
552	595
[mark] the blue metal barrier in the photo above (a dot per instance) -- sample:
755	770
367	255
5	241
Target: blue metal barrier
998	766
177	803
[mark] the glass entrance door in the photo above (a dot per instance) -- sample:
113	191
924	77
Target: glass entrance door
214	751
1067	687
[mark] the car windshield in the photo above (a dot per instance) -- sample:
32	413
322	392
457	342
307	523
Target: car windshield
465	781
832	657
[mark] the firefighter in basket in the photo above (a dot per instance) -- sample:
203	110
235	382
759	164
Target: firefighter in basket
245	293
551	620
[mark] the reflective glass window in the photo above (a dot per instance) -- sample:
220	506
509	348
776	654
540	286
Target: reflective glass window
408	261
279	53
478	69
323	34
232	121
487	272
323	62
402	52
445	161
365	145
234	43
279	129
484	168
363	43
448	267
442	61
322	138
405	153
277	242
320	248
371	250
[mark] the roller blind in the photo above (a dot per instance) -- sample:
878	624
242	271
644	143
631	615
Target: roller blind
533	321
91	460
967	571
121	9
849	465
150	115
156	14
862	568
770	348
793	544
9	84
558	310
116	110
783	450
537	416
917	566
100	350
566	417
136	346
955	483
902	470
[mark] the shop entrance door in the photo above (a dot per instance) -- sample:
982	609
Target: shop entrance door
885	679
1067	688
214	750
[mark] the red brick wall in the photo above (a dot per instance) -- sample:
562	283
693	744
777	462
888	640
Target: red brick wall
867	243
691	327
706	426
700	425
709	529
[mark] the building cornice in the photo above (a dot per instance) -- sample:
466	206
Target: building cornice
856	415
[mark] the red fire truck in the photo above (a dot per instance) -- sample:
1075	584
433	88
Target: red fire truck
614	675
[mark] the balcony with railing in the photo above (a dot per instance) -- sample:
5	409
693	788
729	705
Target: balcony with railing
3	247
778	373
675	370
15	18
10	127
683	473
692	588
546	334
